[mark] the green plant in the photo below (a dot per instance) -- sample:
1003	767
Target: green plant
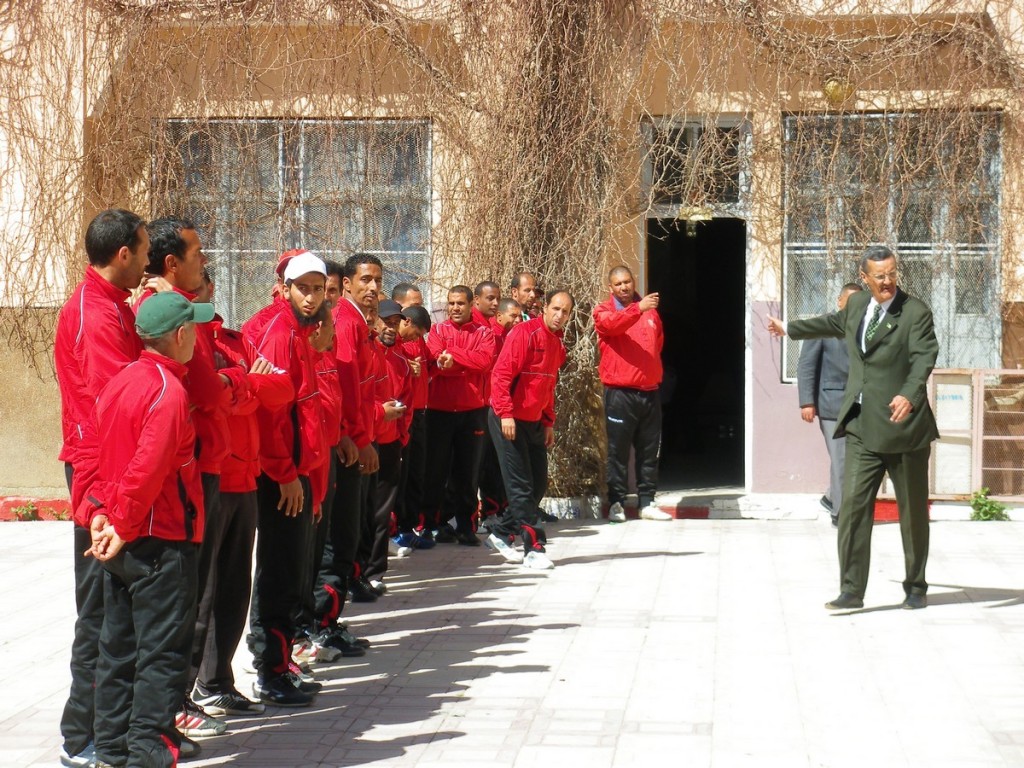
984	508
59	514
25	512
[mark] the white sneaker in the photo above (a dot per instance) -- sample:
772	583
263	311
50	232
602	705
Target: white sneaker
499	545
398	550
379	586
651	512
616	513
538	561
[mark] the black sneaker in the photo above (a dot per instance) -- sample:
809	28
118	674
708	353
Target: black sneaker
227	701
338	639
362	592
280	691
303	683
467	538
188	749
546	517
360	641
445	534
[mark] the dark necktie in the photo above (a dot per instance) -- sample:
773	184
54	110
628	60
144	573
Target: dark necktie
874	322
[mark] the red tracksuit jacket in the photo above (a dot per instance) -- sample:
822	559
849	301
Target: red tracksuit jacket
461	387
95	339
271	390
283	457
354	351
420	384
394	383
146	453
630	343
211	398
524	378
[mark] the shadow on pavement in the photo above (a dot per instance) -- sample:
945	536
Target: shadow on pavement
433	633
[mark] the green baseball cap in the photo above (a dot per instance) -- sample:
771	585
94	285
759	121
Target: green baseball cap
165	312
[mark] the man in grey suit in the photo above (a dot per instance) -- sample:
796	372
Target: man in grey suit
885	416
821	381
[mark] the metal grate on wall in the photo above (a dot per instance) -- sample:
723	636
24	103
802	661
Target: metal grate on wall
257	187
854	180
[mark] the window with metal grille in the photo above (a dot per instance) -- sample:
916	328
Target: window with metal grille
922	183
255	188
696	162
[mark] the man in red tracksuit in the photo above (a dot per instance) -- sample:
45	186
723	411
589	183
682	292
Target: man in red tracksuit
522	425
521	421
362	282
292	485
486	298
630	338
95	339
392	418
147	521
462	354
215	690
176	254
414	326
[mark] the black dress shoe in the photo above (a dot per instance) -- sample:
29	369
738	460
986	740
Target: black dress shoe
914	602
362	592
467	538
826	502
844	601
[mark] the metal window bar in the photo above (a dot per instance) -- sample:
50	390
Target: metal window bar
951	265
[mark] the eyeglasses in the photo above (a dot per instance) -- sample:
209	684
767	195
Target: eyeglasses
880	278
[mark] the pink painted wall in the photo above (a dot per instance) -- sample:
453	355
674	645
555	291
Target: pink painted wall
789	454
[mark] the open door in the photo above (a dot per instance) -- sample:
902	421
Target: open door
699	268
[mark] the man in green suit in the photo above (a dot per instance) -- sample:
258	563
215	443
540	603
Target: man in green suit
885	416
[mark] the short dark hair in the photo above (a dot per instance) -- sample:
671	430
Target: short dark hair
518	278
619	268
353	261
109	232
850	287
334	268
554	292
483	285
464	289
507	303
402	290
164	238
875	253
418	316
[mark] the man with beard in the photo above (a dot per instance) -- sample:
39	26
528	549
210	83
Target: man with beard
522	425
95	339
462	354
293	456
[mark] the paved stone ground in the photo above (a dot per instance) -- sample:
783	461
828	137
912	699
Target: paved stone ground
693	643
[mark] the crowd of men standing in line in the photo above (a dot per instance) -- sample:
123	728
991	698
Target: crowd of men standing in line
311	424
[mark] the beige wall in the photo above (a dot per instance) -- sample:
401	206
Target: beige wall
30	415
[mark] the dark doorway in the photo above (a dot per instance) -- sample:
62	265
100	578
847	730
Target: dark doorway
699	270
